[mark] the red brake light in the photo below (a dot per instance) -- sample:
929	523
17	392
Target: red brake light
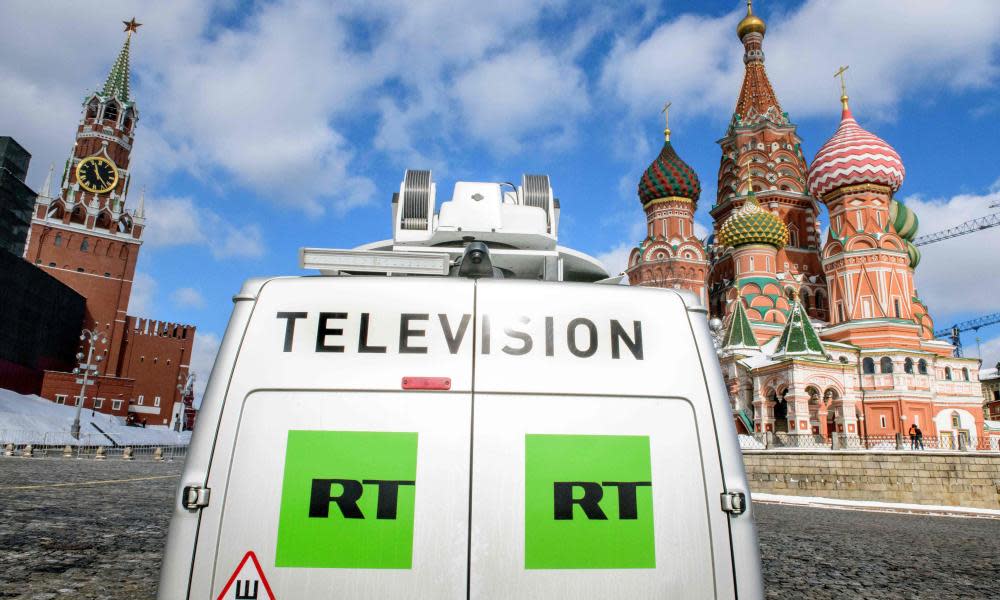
427	383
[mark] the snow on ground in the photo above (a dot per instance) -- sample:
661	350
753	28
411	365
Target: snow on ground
34	420
964	511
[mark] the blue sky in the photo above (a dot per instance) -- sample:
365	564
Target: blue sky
267	126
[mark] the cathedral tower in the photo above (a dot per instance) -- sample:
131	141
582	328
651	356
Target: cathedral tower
670	256
762	154
84	235
868	257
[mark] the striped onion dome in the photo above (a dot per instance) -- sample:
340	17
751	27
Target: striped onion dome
903	220
852	156
752	224
669	177
913	253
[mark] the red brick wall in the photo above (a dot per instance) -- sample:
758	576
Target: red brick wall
157	355
56	383
108	267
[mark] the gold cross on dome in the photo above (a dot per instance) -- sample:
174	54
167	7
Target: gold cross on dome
843	84
666	120
132	26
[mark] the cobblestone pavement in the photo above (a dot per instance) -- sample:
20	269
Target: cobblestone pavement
827	553
94	541
103	541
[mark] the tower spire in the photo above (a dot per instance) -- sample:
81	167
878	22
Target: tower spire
47	186
843	89
140	210
666	121
117	83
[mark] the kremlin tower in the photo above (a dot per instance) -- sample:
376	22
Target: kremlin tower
762	157
670	255
86	236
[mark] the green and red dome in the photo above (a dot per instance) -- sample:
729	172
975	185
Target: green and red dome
668	177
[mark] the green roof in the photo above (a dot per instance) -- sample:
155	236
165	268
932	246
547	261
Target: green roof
739	334
117	82
798	338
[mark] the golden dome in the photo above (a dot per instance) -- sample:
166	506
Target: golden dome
750	23
753	224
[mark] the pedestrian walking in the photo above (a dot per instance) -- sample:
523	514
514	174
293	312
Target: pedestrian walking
920	439
913	436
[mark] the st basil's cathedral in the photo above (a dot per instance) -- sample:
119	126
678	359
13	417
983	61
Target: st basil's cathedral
820	336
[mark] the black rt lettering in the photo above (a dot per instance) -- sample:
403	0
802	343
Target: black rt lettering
563	500
388	496
627	504
322	330
633	343
405	333
321	497
290	318
526	342
454	340
363	346
486	334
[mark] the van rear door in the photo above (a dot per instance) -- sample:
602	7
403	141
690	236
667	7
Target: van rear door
326	466
596	469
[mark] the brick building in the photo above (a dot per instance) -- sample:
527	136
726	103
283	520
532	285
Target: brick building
86	237
820	336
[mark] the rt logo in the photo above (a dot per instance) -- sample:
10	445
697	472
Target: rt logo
387	492
348	500
589	501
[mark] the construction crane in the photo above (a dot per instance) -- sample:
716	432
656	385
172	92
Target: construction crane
954	332
968	227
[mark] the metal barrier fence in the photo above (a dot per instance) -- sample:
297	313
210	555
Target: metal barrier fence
881	443
89	446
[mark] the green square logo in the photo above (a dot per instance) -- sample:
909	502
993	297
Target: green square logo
588	502
347	500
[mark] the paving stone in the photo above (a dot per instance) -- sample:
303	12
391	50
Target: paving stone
104	542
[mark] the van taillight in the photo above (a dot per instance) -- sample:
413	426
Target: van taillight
427	383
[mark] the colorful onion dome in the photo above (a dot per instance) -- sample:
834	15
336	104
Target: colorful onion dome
913	253
852	156
668	177
752	224
750	23
903	220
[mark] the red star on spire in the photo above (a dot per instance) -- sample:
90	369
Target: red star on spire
132	26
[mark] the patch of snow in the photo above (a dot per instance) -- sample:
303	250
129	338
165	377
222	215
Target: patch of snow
33	420
960	511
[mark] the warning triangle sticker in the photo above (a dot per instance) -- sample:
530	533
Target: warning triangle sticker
247	582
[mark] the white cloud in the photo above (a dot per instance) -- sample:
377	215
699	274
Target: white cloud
990	349
143	299
206	347
697	62
958	275
187	297
511	94
173	221
615	260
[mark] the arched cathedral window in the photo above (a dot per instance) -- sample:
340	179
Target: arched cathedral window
868	365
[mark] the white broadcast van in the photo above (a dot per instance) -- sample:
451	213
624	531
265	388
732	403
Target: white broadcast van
467	410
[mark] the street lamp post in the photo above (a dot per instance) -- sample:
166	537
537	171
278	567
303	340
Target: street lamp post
92	337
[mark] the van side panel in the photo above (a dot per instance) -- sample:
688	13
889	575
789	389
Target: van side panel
746	551
178	558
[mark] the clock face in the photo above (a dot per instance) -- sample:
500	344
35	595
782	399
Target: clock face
97	174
